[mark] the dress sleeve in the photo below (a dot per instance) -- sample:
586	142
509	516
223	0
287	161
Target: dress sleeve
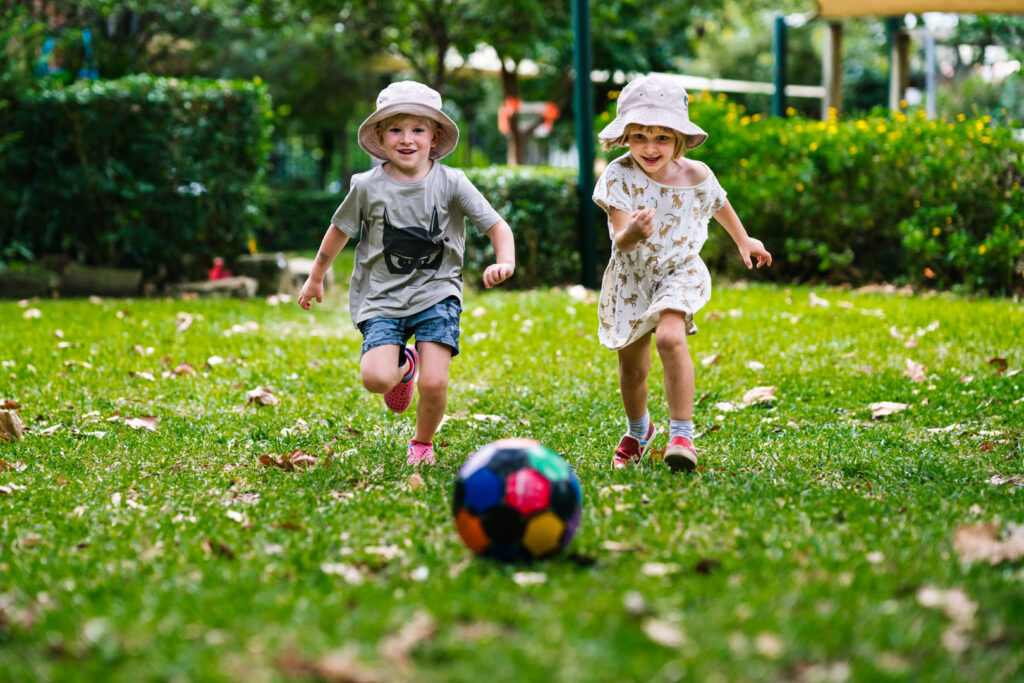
713	198
611	192
348	217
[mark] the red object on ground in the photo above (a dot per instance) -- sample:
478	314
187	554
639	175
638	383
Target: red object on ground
219	272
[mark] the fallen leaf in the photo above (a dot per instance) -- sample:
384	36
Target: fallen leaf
12	466
333	667
885	408
658	568
529	578
958	607
416	481
11	426
397	647
1015	480
726	406
980	542
709	360
758	395
32	313
351	575
483	418
1000	365
754	365
183	321
817	301
184	369
9	404
143	422
664	633
262	396
915	371
143	375
618	547
911	343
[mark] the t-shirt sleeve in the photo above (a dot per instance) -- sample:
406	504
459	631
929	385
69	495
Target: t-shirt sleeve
611	192
349	216
473	205
714	198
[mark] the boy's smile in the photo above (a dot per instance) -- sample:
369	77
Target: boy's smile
407	143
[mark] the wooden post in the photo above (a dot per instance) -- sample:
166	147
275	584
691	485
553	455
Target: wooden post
832	68
899	67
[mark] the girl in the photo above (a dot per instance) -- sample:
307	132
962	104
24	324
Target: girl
659	204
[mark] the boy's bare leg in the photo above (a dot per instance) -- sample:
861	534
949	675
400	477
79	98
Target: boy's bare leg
634	365
379	368
435	363
670	339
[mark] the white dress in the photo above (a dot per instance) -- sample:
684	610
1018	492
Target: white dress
665	271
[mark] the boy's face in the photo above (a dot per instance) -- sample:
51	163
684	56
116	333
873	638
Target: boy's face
653	148
407	142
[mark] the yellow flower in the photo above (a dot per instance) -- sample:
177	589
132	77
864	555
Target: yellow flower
832	130
745	121
880	128
960	117
743	162
981	249
257	80
917	203
953	185
936	231
853	149
790	111
755	118
799	187
813	146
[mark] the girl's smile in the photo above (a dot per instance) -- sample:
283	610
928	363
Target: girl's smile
653	148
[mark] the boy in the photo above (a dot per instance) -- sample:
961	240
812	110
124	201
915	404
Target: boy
407	279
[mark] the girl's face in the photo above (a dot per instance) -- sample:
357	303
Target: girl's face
653	148
407	141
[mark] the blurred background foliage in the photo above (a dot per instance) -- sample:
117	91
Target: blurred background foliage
320	64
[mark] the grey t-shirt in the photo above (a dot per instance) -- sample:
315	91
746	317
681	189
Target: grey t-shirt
413	239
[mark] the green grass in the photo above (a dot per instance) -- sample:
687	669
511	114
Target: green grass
796	552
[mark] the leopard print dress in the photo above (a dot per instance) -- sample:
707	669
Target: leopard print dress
665	271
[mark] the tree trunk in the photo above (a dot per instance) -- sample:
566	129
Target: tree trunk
514	137
327	139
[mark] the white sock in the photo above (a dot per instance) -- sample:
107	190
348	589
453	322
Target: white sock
680	428
638	428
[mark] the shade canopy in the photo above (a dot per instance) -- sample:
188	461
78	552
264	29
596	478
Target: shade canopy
892	8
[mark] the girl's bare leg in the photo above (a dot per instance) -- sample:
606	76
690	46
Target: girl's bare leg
670	339
634	366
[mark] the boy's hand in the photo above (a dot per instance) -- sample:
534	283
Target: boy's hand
312	289
497	273
754	247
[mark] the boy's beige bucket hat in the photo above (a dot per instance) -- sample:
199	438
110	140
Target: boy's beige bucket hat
415	99
655	100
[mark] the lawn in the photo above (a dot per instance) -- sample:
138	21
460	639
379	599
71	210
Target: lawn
141	536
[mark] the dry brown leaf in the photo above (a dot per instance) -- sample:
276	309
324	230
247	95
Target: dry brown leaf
9	404
709	360
397	647
184	369
758	395
16	466
183	321
1000	365
980	542
262	396
271	461
664	633
416	481
911	343
885	408
143	422
333	667
11	426
817	302
915	371
1014	480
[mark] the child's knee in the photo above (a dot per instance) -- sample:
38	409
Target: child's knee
435	385
377	382
632	376
673	341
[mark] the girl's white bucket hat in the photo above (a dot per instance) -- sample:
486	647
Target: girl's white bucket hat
414	99
655	100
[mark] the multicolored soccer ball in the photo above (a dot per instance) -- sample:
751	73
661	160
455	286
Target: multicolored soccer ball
516	500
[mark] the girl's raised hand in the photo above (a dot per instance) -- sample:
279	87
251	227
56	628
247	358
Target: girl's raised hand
641	223
751	247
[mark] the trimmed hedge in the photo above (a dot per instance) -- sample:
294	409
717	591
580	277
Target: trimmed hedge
541	205
296	219
885	197
159	174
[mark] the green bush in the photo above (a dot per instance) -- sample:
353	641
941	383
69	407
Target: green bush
160	174
540	204
884	197
296	219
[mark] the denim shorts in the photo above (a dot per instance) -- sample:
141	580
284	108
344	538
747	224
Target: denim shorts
439	323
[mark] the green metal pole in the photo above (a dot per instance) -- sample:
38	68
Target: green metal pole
584	104
779	69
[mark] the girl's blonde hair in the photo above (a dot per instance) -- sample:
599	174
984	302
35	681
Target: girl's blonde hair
681	141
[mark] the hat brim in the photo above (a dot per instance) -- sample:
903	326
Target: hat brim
654	116
446	141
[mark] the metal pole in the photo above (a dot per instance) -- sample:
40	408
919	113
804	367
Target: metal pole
779	67
584	101
929	72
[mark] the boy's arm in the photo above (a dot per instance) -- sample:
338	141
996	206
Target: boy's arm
334	241
747	245
500	235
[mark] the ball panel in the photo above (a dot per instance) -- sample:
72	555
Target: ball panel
527	491
471	531
548	463
543	534
477	460
503	524
564	498
570	528
507	461
482	490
